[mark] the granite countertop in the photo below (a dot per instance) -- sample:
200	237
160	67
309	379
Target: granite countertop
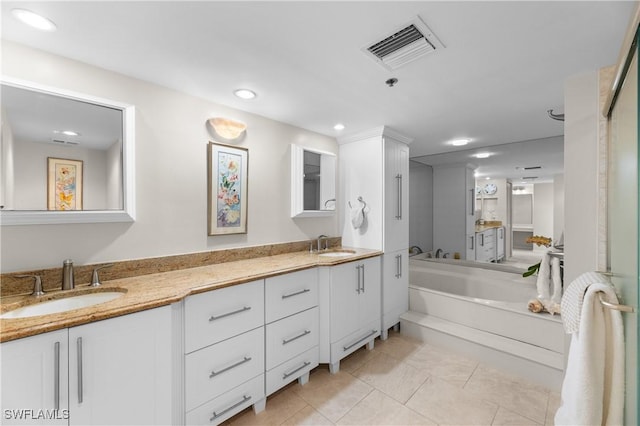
154	290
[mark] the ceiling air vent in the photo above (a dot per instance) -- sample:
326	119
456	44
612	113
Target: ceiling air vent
404	45
63	142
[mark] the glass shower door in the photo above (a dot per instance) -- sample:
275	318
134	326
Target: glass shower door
623	221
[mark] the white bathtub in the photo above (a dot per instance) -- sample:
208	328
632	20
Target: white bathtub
483	313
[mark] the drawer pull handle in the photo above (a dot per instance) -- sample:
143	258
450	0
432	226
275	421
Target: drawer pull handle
80	380
286	296
290	373
304	333
56	375
244	399
213	317
360	340
237	364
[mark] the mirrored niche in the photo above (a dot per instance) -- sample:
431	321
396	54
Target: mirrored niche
313	182
66	157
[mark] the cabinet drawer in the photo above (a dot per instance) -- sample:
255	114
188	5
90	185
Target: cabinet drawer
228	404
216	369
287	294
291	336
353	341
291	370
220	314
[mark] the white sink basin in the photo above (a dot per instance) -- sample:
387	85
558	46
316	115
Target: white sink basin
340	253
62	305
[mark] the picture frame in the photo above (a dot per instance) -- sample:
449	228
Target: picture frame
64	184
228	168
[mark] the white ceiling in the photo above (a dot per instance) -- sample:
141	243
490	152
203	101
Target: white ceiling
503	67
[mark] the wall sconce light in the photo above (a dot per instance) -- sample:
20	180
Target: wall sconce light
226	128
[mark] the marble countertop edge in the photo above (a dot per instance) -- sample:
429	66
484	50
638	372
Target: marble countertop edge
160	289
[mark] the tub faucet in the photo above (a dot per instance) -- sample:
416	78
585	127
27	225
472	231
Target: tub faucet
319	241
415	250
438	252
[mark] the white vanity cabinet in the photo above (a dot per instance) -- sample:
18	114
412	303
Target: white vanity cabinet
350	309
486	245
292	329
224	353
115	371
120	370
35	379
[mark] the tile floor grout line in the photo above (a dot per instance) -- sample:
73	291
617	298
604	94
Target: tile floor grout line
359	401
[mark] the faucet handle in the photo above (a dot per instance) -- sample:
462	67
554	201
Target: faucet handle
95	279
37	284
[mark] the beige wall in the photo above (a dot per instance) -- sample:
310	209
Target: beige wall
171	174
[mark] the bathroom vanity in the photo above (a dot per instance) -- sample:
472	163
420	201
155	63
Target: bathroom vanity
191	346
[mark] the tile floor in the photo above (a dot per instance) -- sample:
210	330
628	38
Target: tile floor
405	382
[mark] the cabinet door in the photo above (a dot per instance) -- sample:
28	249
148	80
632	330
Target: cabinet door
396	197
471	246
369	301
34	380
345	297
395	287
120	370
470	201
500	243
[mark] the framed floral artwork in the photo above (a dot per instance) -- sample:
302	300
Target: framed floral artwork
64	184
227	188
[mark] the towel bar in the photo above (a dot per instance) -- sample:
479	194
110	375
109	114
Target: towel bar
622	308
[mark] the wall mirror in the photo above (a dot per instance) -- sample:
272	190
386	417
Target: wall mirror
65	157
313	182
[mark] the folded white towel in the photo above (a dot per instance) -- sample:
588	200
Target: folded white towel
542	283
549	272
571	305
593	387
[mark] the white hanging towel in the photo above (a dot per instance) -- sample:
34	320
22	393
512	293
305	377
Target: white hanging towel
357	217
593	387
548	277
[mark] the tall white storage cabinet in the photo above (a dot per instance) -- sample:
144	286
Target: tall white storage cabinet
374	165
454	210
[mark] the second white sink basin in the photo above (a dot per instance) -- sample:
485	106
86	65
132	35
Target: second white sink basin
338	253
62	305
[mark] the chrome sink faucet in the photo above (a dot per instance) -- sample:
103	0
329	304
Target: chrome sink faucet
319	242
438	253
37	284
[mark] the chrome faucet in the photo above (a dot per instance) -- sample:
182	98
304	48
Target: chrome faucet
68	282
438	252
37	284
319	242
95	278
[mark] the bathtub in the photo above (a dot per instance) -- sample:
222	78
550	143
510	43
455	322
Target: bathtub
481	310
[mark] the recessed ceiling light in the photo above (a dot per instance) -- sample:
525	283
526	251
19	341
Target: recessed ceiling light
245	93
34	20
488	178
460	142
482	155
67	132
339	126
